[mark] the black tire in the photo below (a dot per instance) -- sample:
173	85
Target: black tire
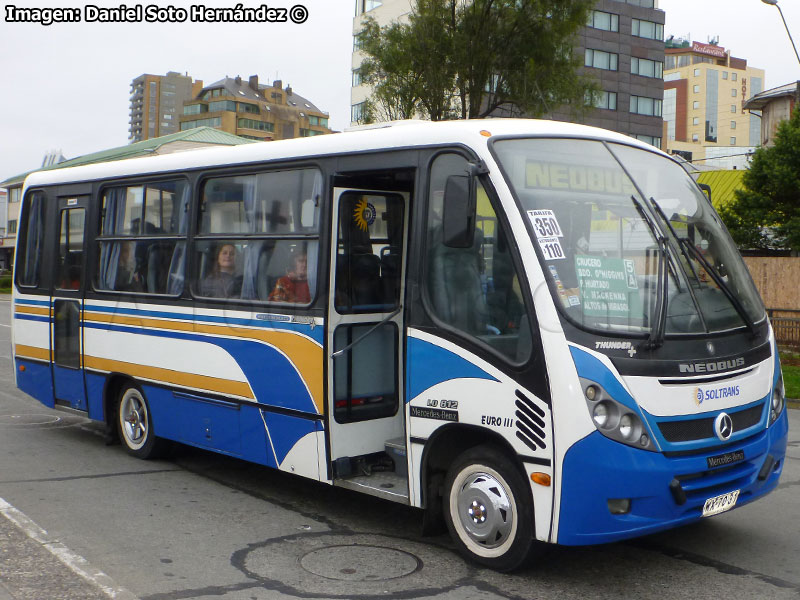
489	509
135	424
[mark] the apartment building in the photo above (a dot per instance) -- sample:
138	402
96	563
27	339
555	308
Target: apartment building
705	92
622	46
156	102
254	111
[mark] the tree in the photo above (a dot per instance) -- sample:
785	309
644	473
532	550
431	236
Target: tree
766	213
471	58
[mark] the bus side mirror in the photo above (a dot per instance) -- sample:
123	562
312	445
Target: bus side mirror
706	188
459	211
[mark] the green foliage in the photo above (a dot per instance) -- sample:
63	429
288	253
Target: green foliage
766	213
469	58
5	283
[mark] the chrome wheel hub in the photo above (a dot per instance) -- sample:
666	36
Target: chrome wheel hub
484	509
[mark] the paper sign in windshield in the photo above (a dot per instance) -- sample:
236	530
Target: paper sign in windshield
544	223
551	248
608	286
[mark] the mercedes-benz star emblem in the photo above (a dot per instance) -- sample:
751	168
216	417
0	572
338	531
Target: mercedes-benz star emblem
723	426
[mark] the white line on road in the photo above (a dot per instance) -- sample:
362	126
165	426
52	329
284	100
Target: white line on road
75	562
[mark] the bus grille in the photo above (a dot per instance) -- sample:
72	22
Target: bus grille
701	429
530	423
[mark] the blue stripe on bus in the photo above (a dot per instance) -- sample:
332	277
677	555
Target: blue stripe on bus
270	374
429	364
32	302
315	333
24	317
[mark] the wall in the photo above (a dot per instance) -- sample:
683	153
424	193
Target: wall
776	278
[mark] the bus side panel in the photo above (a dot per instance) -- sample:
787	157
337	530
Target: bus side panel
95	386
450	387
35	379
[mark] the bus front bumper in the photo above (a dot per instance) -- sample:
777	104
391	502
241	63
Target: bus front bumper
597	469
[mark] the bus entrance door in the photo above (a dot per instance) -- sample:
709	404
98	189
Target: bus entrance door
365	332
67	304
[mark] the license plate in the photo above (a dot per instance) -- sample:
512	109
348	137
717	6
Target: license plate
725	459
718	504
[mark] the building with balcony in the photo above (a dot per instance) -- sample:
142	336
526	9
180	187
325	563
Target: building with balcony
774	105
705	92
254	111
156	103
622	46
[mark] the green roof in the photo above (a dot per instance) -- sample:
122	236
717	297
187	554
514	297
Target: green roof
198	135
723	185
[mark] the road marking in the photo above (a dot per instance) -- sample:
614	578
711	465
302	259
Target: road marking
76	563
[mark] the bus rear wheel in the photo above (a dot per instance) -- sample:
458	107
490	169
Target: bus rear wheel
489	509
135	424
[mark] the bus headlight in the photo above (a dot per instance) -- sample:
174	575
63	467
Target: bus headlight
615	420
778	400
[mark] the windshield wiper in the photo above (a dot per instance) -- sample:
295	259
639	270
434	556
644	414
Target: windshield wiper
657	207
656	337
687	246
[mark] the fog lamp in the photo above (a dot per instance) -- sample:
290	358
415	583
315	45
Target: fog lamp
619	506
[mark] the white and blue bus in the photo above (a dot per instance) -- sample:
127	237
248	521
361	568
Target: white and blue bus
535	331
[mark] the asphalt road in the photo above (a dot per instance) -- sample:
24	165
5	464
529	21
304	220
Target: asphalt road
82	520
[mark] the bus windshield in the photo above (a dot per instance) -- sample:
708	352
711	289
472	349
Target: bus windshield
627	239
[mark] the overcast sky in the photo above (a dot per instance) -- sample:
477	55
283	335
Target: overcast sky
66	86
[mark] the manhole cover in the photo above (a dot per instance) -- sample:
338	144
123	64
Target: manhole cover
345	565
29	419
360	563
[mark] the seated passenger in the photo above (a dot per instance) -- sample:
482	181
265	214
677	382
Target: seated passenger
293	287
222	281
128	279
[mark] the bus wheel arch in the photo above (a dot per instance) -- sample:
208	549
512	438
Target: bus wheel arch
441	451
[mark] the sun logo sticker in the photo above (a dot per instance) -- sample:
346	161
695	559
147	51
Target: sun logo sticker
698	396
364	214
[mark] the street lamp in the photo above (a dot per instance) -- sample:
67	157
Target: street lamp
775	4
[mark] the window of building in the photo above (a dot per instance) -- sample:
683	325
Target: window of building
606	100
257	125
724	74
246	107
356	77
697	72
647	29
696	104
696	89
733	108
14	195
696	121
733	92
212	122
647	68
733	124
649	139
142	240
357	112
642	105
603	20
222	105
695	137
601	60
253	230
12	226
733	141
363	6
734	76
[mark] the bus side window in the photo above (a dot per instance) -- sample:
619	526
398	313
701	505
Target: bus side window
475	290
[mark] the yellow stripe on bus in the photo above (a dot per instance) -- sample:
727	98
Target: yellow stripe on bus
304	354
22	351
32	310
204	382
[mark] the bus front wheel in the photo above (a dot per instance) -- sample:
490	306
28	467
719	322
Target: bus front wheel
135	424
489	509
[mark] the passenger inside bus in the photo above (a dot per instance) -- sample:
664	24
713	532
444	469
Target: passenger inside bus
128	278
293	287
222	281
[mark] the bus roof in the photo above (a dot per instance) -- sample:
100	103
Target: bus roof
397	134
